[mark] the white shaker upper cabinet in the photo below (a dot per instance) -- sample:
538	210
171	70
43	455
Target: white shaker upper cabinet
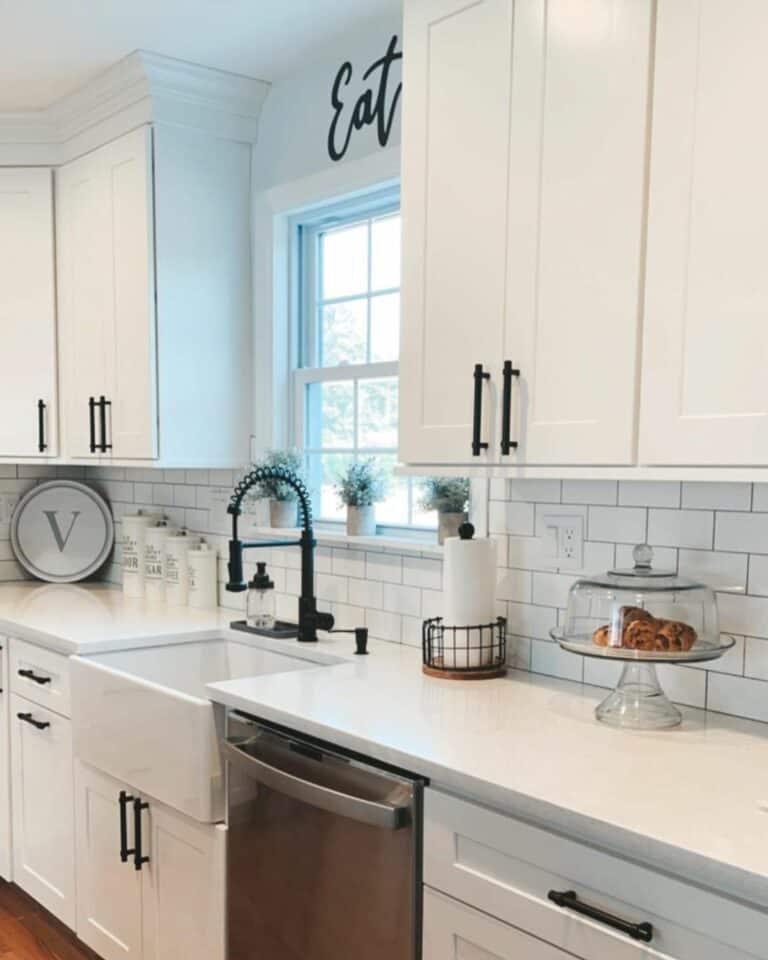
577	206
704	390
105	227
454	187
524	152
28	410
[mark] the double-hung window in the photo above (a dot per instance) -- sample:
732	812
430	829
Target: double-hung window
346	384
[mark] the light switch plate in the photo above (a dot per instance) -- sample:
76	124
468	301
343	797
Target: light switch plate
563	541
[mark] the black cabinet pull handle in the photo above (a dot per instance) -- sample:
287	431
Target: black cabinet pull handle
31	675
570	901
507	444
42	446
102	405
92	419
477	410
124	800
28	718
138	855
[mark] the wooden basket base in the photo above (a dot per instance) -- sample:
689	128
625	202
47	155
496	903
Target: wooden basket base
486	673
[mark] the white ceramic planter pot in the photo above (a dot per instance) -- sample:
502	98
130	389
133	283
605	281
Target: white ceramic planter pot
282	513
448	525
361	521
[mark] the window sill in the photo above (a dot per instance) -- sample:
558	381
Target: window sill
328	538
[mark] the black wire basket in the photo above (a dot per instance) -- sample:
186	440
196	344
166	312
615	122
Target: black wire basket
464	653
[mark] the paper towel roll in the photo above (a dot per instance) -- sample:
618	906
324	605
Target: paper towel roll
176	569
469	600
134	530
155	538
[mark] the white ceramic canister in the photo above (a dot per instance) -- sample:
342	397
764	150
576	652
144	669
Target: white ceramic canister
202	576
155	538
176	569
135	527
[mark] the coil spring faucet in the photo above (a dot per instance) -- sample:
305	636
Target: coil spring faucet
310	618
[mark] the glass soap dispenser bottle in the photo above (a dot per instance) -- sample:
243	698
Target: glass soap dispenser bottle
260	610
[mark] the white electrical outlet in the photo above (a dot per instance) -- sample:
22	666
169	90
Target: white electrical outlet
563	538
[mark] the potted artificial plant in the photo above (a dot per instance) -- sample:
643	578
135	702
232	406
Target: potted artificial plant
360	488
282	497
450	497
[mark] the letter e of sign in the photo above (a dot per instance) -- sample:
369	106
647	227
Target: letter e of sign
61	541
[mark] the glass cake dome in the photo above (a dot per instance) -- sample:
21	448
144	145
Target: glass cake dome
643	616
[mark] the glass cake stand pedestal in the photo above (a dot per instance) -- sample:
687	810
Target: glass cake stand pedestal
638	701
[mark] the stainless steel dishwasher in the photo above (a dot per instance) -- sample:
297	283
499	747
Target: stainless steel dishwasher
324	851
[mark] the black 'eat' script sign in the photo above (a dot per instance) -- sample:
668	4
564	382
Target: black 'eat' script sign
376	105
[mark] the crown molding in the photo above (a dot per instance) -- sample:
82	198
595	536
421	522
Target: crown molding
141	88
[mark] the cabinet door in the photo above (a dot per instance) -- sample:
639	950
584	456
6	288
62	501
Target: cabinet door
454	188
579	107
107	299
85	270
704	397
183	886
5	767
108	890
43	820
27	315
130	336
454	931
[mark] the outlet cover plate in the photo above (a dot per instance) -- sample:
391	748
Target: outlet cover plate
563	538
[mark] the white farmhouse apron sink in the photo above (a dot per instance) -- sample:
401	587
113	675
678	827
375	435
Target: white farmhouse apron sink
143	715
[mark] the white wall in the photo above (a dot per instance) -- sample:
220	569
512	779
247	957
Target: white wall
293	128
292	170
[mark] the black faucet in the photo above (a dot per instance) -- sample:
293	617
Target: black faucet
310	618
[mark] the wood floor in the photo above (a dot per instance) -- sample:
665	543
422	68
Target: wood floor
28	932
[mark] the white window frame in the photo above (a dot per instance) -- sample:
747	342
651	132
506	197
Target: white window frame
306	231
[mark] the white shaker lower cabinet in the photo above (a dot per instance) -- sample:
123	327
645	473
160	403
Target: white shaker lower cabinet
170	908
523	229
505	870
704	399
5	766
154	300
28	403
42	811
454	931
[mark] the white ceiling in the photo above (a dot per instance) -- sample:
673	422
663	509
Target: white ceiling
48	48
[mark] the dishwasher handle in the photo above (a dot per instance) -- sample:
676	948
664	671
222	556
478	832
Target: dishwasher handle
382	815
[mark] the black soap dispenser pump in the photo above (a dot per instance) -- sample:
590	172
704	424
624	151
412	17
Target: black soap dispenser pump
260	607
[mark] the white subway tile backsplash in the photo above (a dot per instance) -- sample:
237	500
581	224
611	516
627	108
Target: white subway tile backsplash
535	491
760	497
514	585
743	532
384	566
590	491
739	696
550	659
367	593
617	524
423	572
399	599
756	658
758	576
717	496
348	563
384	626
681	528
649	493
721	571
717	533
551	589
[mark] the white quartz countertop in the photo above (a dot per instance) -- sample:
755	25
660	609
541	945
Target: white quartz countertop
691	801
93	618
